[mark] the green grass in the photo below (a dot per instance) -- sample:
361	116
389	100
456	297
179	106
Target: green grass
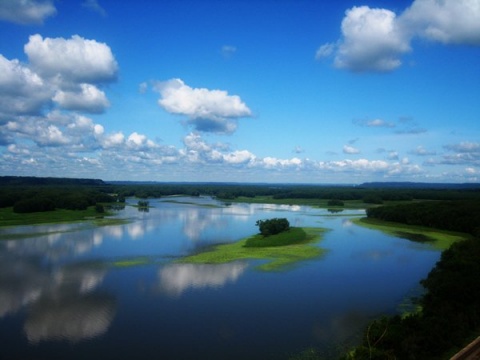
278	257
439	239
126	263
10	218
295	235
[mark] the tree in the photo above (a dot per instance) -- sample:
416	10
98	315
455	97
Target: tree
272	226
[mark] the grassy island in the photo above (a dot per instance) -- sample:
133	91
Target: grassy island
281	250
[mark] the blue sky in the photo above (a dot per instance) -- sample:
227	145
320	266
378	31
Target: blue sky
304	91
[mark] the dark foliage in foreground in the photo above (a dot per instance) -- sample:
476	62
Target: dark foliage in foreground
451	305
450	312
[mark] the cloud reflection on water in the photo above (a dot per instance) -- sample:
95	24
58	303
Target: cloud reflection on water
59	298
177	278
72	318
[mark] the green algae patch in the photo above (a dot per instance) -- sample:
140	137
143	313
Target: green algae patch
138	261
439	239
300	246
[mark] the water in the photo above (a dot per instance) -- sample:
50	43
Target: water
114	292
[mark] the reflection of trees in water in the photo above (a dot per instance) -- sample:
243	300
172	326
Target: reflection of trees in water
176	278
70	317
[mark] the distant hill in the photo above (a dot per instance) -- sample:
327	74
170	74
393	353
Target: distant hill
32	180
419	185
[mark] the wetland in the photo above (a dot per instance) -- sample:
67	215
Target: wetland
135	288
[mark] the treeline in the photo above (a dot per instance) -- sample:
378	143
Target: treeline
28	199
283	191
461	216
43	194
47	181
450	313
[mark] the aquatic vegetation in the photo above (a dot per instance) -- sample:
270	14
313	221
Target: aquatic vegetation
298	245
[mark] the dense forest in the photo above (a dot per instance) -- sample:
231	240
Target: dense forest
458	215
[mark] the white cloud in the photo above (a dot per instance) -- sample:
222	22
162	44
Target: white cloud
22	91
26	12
88	99
447	21
239	157
139	141
113	140
376	39
347	149
371	41
55	79
75	60
208	110
271	162
50	136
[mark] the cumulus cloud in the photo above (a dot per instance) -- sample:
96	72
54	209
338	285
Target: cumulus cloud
376	39
26	12
88	98
22	91
75	60
207	110
62	73
371	41
198	151
448	21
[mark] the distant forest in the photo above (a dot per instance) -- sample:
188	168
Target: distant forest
32	194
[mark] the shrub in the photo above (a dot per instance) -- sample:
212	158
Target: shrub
272	226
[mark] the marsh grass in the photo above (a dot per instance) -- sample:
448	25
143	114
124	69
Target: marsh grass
294	235
277	257
439	239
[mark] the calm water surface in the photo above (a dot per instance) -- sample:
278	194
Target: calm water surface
114	292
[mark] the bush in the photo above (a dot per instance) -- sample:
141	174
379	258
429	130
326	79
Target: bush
272	226
335	202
